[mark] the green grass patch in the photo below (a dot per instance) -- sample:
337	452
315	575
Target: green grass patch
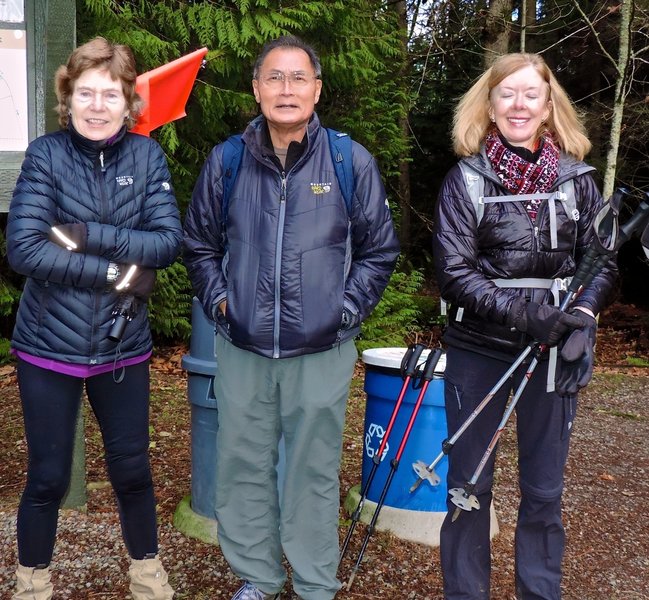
619	413
636	361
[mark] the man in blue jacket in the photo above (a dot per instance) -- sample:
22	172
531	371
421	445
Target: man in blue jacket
288	282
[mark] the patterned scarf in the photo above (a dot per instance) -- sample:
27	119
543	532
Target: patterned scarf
520	176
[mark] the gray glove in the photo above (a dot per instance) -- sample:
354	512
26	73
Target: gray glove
575	369
140	285
544	323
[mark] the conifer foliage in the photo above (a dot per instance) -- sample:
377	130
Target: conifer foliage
360	51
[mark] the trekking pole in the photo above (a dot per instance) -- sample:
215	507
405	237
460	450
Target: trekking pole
408	370
594	260
464	498
427	472
426	377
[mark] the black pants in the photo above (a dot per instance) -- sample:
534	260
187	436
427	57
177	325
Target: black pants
50	404
543	424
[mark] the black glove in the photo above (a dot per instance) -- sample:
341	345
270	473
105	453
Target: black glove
77	233
542	322
139	285
577	355
349	319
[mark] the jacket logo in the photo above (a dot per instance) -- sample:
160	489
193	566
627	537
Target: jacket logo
124	180
321	188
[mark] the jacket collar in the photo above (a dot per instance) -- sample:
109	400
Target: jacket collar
569	167
257	140
92	148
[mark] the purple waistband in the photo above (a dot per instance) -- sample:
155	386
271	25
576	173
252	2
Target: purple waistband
75	370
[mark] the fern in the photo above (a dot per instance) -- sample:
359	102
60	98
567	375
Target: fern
170	305
395	317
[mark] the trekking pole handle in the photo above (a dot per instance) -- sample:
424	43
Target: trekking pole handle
426	371
431	363
635	223
590	265
410	360
596	256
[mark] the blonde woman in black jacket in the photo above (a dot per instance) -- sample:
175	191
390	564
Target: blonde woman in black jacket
517	132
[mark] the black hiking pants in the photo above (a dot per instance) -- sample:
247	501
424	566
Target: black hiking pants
543	425
50	404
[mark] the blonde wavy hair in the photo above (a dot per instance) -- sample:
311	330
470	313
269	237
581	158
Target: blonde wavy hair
98	53
471	121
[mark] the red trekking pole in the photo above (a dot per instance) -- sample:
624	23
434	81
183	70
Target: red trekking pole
408	370
426	377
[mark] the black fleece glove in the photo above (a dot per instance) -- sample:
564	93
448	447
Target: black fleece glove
139	285
544	323
77	233
349	319
575	369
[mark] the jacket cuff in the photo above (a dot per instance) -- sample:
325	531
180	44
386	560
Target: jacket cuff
99	239
215	305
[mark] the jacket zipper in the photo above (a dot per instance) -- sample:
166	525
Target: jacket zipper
278	265
100	175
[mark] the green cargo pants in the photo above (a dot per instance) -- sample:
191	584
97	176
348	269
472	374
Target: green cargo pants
259	400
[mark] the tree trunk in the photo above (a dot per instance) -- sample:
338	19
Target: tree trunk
497	30
624	50
526	18
405	226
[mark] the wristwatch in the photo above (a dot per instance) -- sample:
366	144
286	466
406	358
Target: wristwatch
112	274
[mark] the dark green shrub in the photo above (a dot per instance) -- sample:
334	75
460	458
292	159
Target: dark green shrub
396	316
170	307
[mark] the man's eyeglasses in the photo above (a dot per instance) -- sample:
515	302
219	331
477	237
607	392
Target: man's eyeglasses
276	79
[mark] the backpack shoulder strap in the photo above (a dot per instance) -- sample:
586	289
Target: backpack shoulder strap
340	145
232	153
568	200
474	184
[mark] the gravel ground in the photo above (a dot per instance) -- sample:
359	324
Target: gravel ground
606	493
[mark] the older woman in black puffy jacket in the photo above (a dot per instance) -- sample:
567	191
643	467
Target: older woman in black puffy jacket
501	265
92	217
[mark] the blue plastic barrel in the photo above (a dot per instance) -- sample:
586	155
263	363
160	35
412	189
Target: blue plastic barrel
382	385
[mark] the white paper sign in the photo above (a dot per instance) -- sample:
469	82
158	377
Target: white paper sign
13	90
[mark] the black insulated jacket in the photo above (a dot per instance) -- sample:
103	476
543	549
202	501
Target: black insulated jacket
507	244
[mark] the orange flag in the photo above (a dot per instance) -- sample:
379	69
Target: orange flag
165	91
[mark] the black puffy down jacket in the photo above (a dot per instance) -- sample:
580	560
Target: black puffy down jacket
123	194
506	244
